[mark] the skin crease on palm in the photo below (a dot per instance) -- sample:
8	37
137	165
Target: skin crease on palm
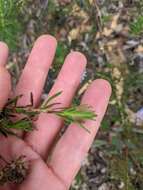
68	153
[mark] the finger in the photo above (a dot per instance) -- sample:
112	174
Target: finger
5	81
5	86
75	143
49	125
3	53
35	72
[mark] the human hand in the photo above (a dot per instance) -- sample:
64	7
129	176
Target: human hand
58	172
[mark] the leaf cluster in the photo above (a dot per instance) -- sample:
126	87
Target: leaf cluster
9	116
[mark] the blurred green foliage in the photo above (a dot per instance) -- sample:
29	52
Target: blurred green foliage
136	27
10	22
61	52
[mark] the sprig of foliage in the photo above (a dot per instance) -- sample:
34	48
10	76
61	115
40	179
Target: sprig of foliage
77	114
9	121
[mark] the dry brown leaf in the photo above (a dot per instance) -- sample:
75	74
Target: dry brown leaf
119	83
139	49
76	32
91	2
107	31
73	34
83	27
116	57
114	22
77	11
84	87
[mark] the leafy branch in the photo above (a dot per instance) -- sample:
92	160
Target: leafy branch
9	121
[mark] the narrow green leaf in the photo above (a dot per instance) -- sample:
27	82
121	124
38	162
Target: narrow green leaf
45	103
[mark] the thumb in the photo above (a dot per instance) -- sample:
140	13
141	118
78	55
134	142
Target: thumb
5	86
5	81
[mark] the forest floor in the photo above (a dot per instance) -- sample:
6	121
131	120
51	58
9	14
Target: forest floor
110	34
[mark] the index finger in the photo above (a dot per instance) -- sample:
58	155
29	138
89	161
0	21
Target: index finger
5	86
3	53
75	143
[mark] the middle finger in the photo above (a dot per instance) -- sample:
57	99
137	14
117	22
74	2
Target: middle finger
48	125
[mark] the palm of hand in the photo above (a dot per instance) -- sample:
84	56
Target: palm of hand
66	157
40	174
